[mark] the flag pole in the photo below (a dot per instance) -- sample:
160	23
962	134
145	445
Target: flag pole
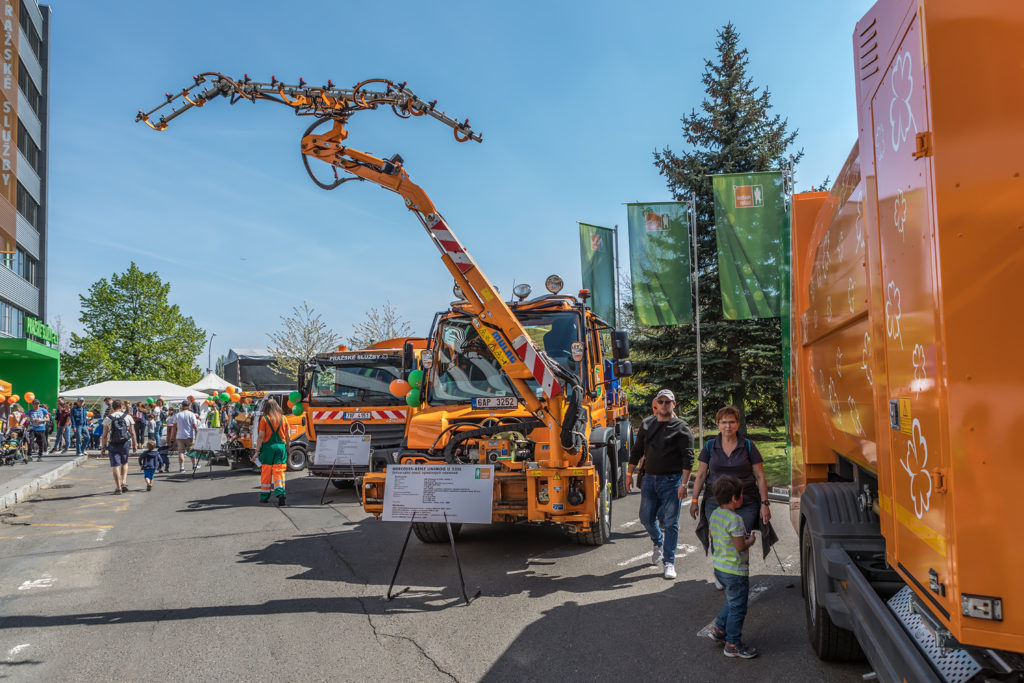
691	203
618	299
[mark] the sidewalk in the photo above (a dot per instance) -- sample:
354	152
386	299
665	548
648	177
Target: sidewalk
19	481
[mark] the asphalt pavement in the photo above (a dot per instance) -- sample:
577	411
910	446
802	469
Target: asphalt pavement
197	581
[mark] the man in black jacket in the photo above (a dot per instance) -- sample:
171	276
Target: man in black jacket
664	444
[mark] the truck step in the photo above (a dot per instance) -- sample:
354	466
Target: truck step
955	666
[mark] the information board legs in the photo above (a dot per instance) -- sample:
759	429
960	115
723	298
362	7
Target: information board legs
328	483
455	555
401	555
458	564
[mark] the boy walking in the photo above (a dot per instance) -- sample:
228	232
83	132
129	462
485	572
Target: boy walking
149	461
732	569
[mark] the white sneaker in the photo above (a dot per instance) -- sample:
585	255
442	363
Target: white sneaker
719	586
181	470
657	555
670	571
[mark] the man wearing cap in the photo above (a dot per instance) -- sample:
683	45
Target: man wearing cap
37	419
665	445
181	431
80	425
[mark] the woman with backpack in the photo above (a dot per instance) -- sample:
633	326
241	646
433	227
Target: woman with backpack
272	445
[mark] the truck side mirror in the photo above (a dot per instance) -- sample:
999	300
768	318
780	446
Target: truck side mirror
620	345
623	368
408	358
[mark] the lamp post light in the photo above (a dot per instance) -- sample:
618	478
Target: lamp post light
208	350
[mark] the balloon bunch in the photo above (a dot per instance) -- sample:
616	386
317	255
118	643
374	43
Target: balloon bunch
295	398
411	389
13	398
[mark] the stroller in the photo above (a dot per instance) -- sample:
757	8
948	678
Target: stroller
11	448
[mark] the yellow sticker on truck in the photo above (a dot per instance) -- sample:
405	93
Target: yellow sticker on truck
499	347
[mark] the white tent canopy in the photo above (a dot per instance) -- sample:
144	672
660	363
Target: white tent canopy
133	391
211	384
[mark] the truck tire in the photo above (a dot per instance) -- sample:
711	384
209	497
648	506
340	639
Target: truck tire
602	528
625	437
434	532
830	643
296	458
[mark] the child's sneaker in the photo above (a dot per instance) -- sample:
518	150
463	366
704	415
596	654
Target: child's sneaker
716	634
739	650
149	486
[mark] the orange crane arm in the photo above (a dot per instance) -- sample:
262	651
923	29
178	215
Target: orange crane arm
517	354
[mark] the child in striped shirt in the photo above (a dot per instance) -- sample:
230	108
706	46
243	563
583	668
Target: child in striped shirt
730	541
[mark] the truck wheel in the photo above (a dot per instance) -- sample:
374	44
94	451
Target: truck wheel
830	643
602	528
434	532
625	436
296	458
621	467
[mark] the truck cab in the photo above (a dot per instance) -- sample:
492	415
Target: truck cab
472	413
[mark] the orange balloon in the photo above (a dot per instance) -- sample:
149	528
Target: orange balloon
11	400
2	398
14	398
399	387
89	414
29	397
235	398
229	390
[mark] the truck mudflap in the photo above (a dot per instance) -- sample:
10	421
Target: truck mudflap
884	634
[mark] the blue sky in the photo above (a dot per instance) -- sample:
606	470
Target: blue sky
571	97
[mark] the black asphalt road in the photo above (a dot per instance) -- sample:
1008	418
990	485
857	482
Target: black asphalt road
196	581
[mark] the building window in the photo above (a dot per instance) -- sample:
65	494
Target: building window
27	206
28	148
30	90
22	264
30	31
12	320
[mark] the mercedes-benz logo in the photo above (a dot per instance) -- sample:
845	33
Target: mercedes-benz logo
357	428
489	422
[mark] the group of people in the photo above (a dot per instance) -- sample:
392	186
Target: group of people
735	503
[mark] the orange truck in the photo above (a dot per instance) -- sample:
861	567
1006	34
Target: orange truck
472	413
242	428
347	392
905	402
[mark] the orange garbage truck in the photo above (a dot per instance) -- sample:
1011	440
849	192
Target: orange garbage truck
347	392
905	398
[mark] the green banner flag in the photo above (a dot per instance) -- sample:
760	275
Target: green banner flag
597	261
750	214
659	263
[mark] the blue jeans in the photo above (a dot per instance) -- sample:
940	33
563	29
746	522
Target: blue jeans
659	510
730	619
63	438
81	439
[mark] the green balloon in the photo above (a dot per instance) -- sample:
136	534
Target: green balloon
413	398
294	397
297	409
224	396
149	400
416	378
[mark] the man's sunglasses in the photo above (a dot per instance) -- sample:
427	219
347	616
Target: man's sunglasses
663	400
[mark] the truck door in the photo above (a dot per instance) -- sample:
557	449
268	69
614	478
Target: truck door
911	481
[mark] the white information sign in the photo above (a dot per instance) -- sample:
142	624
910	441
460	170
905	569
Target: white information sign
208	439
462	492
342	449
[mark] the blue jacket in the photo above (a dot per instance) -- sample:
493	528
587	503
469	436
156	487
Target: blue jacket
78	416
149	460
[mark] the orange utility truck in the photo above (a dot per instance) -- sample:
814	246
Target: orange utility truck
347	392
567	479
906	396
473	413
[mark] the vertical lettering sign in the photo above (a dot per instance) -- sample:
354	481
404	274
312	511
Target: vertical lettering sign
9	128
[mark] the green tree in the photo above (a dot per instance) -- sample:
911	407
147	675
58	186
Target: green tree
734	131
133	333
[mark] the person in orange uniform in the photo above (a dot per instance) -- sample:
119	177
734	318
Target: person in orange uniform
273	450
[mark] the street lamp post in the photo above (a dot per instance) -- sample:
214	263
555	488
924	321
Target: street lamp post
208	350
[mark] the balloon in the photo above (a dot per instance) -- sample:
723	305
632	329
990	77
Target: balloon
149	400
225	396
294	397
235	398
416	378
229	390
14	398
29	397
413	398
399	388
89	414
297	410
11	400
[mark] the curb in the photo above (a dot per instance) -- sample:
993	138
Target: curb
20	494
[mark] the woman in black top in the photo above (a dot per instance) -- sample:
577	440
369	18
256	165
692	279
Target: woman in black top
728	454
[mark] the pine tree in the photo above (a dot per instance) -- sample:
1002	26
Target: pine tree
735	131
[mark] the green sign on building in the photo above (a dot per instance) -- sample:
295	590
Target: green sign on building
40	330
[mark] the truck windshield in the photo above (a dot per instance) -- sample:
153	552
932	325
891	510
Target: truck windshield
466	368
356	384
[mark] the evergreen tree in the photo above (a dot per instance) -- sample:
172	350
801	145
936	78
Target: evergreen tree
735	131
133	333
